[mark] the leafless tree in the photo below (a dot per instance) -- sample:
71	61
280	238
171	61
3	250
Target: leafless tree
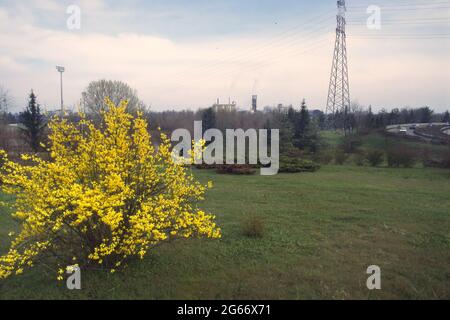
93	98
5	101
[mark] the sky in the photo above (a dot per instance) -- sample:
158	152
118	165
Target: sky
181	54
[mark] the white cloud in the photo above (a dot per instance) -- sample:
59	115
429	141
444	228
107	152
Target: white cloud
47	5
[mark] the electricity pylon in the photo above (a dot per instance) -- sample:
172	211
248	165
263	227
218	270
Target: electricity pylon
338	102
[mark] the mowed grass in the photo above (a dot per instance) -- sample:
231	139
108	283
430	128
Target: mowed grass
322	231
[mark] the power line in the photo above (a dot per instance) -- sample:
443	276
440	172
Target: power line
338	100
401	4
406	37
394	9
227	72
279	38
275	43
384	22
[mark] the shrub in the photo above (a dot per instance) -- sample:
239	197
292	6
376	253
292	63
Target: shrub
360	158
375	157
440	161
340	157
445	162
204	166
350	144
238	169
107	195
294	165
401	157
253	227
432	163
324	157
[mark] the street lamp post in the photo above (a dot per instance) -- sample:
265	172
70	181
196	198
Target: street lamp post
61	70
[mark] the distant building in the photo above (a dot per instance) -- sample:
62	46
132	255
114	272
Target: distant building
279	108
227	107
267	109
283	109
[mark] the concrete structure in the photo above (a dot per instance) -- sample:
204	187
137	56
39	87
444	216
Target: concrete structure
283	109
446	130
254	103
227	107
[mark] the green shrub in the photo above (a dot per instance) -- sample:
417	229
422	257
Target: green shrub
350	144
375	157
441	161
237	169
324	157
204	166
293	165
401	157
360	159
445	162
253	227
340	157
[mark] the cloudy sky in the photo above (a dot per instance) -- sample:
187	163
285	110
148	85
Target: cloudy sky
185	54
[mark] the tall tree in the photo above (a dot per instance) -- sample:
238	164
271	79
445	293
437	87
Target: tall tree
446	117
33	122
394	116
94	96
303	131
304	119
284	122
5	101
425	114
208	119
370	119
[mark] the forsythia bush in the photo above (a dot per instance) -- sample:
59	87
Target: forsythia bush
106	195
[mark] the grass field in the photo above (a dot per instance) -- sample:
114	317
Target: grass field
322	231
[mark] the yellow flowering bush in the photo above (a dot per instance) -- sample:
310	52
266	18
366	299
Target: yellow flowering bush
106	195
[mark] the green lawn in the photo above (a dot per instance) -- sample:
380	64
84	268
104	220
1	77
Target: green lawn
322	231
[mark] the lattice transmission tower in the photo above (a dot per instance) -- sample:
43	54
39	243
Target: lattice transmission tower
338	101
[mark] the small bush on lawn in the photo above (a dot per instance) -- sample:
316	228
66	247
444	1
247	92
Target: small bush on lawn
107	195
324	157
294	165
440	161
204	166
401	157
375	157
253	227
360	158
445	162
350	144
238	169
340	157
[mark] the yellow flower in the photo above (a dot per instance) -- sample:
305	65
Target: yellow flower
106	188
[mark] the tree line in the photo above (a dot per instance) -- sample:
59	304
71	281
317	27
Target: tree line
299	126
